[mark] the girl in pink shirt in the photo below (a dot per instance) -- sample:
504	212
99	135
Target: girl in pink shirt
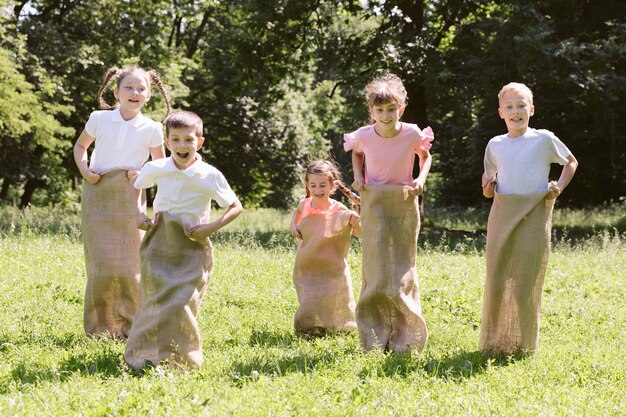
383	154
321	274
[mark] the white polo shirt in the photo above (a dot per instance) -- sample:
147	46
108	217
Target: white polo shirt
121	144
522	164
186	194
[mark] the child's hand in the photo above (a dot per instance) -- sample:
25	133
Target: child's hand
132	174
358	183
144	222
553	191
489	189
91	177
295	232
418	186
355	219
202	231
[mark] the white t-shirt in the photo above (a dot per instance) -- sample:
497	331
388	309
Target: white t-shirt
186	194
522	164
121	144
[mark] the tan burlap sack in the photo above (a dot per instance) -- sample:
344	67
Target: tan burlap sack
111	240
321	275
389	313
175	271
518	246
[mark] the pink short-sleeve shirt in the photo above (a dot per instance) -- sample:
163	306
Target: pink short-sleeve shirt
389	160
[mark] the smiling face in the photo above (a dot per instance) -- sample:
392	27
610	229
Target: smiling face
133	91
387	118
320	187
183	142
515	109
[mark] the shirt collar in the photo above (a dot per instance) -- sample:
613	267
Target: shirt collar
135	121
194	169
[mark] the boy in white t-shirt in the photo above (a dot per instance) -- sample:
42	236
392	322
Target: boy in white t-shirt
176	253
517	165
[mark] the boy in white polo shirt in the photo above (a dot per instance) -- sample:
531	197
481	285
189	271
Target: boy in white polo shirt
176	253
517	166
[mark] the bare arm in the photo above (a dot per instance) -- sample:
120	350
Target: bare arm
157	152
80	157
355	222
203	231
489	186
425	162
566	176
358	159
295	220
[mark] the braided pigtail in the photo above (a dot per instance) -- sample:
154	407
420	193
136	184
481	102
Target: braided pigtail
354	199
113	72
154	76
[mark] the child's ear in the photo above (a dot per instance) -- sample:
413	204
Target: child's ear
500	113
532	110
200	142
402	108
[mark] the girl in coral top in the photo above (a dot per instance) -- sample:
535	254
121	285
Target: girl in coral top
389	314
321	274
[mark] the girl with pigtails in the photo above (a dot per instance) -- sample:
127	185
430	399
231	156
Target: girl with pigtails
124	139
321	274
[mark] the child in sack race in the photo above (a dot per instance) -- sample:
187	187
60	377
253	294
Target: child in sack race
517	165
176	253
124	139
321	276
389	313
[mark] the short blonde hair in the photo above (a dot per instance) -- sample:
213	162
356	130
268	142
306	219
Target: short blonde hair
518	87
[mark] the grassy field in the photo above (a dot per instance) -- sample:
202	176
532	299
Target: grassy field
254	365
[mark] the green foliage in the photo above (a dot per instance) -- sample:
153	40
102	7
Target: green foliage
278	83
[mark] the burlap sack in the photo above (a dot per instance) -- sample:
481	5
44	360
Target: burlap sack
175	271
389	313
111	241
518	246
321	275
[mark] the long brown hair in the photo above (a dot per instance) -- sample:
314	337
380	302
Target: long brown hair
119	74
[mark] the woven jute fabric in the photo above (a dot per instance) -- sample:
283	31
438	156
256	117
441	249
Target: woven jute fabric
518	247
388	312
321	274
175	271
111	242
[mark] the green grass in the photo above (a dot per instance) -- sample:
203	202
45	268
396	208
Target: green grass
254	365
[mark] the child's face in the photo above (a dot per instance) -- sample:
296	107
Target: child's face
516	109
132	93
386	115
320	186
183	142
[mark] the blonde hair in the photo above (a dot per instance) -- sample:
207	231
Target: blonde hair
330	170
386	88
517	87
120	74
183	119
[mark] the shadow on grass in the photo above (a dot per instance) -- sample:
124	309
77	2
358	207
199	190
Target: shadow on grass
468	364
453	367
266	365
106	363
271	338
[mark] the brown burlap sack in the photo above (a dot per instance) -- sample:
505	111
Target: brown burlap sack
389	313
518	246
175	271
111	240
321	275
